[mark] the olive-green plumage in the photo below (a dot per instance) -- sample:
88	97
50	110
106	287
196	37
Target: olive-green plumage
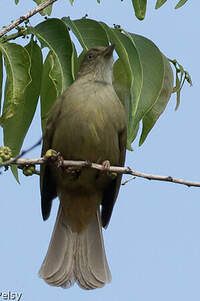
87	122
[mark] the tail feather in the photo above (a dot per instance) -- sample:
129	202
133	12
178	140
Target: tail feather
76	257
91	267
61	249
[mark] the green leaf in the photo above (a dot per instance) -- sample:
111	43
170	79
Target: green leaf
74	62
16	1
17	63
19	109
151	60
140	8
130	60
1	77
121	86
177	89
49	90
71	2
54	34
32	92
159	106
180	3
45	11
181	76
14	170
160	3
88	32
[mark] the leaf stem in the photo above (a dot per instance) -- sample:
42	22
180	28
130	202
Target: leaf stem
14	36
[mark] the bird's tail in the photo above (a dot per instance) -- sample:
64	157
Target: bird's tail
76	257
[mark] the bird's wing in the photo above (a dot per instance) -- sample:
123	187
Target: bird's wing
47	182
111	192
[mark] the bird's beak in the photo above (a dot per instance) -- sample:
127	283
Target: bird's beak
108	51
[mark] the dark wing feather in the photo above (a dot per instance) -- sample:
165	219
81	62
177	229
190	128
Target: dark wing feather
48	192
111	192
47	182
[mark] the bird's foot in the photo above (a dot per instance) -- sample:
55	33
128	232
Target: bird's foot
106	165
73	172
53	156
72	169
59	161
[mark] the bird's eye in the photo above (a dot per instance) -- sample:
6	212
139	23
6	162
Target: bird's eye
90	56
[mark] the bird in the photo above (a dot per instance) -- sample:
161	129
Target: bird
87	122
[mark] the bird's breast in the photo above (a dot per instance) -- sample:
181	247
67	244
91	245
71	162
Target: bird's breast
89	125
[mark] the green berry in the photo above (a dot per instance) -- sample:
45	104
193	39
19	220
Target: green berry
27	172
5	153
32	168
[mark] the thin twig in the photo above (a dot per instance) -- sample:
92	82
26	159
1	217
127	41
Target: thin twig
25	17
114	169
17	158
128	180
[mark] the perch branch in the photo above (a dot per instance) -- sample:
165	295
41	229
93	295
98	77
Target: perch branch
21	19
114	169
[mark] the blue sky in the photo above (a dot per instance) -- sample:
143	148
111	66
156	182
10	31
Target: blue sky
153	240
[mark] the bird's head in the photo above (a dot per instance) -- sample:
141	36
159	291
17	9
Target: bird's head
98	64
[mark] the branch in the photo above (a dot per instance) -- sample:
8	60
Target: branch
114	169
25	17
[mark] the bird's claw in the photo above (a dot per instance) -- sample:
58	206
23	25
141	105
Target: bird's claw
59	161
106	165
